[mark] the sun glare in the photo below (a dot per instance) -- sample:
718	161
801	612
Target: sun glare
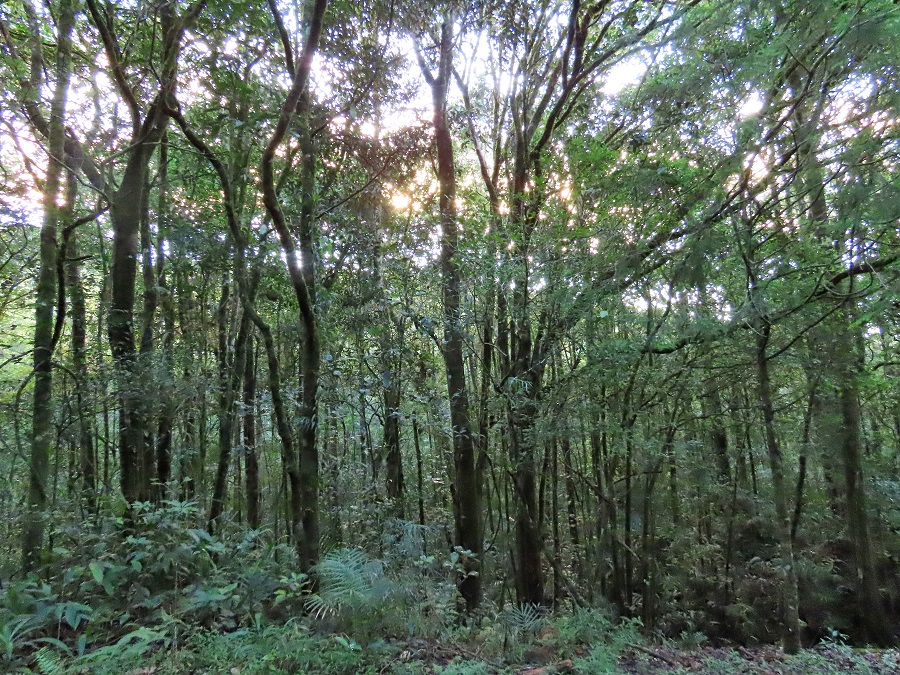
400	201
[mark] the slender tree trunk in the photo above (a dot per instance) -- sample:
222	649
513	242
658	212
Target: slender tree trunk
87	456
301	265
848	342
525	376
393	458
420	479
45	301
571	505
310	361
392	345
791	617
628	553
251	462
718	435
648	561
126	212
283	428
554	519
466	506
126	223
189	462
167	413
230	381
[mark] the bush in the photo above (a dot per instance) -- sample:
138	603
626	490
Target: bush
149	586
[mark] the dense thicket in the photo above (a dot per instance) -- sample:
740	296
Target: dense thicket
598	302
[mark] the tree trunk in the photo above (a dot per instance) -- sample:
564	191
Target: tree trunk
45	300
301	265
167	415
529	543
466	506
251	462
571	505
126	212
848	350
393	458
791	618
420	480
229	381
87	457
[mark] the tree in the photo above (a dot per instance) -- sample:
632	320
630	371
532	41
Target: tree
301	268
126	211
45	301
466	506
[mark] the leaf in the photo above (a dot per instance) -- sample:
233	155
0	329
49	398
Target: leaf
75	613
345	642
53	641
96	572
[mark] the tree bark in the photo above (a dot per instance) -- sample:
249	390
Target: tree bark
846	365
231	372
251	461
301	269
167	414
790	600
466	506
45	301
126	212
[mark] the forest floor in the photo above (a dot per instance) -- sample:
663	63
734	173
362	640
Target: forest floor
258	654
766	660
659	660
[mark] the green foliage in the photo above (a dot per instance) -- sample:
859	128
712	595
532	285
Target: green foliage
620	291
595	631
525	618
32	619
48	661
351	583
128	649
463	667
286	648
125	595
371	599
586	627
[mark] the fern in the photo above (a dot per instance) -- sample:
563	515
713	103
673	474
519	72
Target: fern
49	662
347	578
524	618
405	539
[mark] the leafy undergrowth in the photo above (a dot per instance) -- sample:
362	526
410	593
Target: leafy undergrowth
167	598
823	660
292	648
518	641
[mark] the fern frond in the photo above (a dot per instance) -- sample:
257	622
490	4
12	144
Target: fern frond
319	608
49	662
527	617
346	577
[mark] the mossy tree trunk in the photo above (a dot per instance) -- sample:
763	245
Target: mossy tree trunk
42	431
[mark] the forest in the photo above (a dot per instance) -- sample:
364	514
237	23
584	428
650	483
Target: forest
380	336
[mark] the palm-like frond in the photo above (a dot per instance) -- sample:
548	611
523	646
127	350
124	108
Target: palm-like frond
347	578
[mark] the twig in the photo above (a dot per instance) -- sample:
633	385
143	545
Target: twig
652	653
